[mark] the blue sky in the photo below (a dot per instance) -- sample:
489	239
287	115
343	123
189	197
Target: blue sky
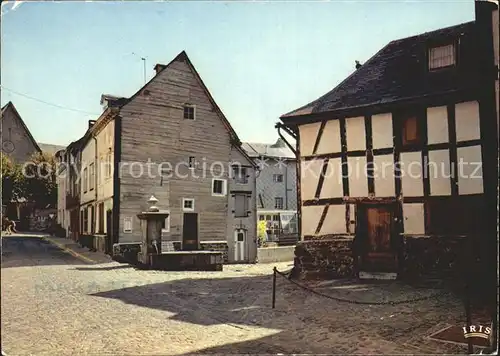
258	59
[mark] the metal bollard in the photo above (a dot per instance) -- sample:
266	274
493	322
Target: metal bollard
274	286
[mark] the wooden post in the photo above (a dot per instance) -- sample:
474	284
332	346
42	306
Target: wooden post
274	287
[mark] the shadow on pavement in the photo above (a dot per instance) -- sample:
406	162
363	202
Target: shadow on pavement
25	251
110	268
301	322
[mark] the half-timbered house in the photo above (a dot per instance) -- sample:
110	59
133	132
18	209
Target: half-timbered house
398	163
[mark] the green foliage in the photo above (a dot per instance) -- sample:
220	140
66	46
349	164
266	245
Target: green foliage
40	183
12	180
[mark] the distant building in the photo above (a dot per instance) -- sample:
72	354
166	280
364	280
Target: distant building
276	187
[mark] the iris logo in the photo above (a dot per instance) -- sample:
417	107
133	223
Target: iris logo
483	332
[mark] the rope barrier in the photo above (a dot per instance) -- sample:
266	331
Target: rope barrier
398	302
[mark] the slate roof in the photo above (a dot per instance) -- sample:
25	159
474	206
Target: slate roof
272	150
399	71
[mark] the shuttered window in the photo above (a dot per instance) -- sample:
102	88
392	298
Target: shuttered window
440	57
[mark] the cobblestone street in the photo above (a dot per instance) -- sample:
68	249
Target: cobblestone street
55	304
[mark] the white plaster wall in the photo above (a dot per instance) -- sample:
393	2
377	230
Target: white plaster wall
382	135
105	146
439	172
332	185
358	179
334	222
383	176
310	219
467	121
330	139
437	125
308	134
411	174
88	157
356	134
310	172
470	173
414	219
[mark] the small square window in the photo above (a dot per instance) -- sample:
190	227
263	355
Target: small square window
219	187
189	112
442	56
278	178
187	204
240	175
278	203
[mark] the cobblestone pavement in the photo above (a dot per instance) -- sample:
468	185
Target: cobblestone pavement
53	304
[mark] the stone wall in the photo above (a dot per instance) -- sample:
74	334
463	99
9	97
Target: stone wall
216	246
324	259
275	254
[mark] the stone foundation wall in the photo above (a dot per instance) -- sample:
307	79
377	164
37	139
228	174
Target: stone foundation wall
324	259
216	246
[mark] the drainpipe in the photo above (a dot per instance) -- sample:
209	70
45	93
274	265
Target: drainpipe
286	186
95	181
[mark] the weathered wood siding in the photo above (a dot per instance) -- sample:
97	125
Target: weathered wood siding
153	128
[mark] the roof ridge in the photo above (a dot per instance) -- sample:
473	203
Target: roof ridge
340	84
433	31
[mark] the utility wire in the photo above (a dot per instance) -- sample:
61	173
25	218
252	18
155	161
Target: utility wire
47	103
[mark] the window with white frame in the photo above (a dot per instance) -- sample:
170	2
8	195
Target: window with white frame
165	225
240	175
240	206
187	204
218	187
189	112
277	178
108	165
442	56
278	203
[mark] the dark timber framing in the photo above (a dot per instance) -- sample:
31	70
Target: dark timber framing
369	155
452	133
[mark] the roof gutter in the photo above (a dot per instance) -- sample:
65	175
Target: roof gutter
280	126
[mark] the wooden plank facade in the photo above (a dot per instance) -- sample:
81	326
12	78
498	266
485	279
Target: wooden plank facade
172	141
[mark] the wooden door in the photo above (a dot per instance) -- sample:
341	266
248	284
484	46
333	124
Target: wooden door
190	232
378	254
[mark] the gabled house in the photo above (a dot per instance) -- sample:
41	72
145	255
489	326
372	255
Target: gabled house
17	141
170	140
276	187
398	163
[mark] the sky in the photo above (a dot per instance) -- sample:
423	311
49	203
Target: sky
258	59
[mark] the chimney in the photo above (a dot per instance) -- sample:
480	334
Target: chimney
358	65
159	67
484	10
92	123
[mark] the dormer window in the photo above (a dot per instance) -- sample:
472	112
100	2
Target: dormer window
441	56
189	112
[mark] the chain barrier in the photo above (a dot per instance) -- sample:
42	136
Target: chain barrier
398	302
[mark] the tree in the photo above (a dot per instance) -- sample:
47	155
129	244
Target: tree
12	180
40	184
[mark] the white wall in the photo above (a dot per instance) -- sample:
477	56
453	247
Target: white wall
384	175
411	174
437	125
467	121
382	133
355	134
413	218
330	138
470	173
308	134
439	172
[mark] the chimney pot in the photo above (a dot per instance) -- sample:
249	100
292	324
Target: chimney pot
159	67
